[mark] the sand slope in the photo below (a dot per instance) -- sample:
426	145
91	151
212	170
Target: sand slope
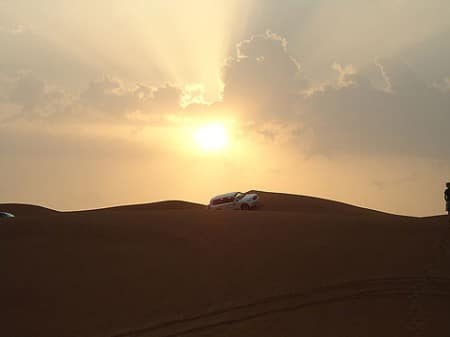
311	268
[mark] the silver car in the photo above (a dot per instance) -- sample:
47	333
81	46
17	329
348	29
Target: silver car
234	200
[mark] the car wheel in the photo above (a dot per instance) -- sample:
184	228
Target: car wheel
245	207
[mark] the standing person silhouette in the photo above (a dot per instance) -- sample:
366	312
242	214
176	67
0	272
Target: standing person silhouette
447	200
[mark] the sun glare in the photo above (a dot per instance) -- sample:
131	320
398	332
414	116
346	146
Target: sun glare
211	137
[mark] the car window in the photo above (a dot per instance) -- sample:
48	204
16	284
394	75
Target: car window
216	201
219	201
239	196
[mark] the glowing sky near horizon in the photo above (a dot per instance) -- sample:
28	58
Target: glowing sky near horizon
108	102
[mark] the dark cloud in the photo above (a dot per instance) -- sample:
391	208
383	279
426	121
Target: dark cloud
413	119
346	115
430	57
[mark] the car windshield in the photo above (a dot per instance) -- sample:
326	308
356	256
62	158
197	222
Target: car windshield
238	196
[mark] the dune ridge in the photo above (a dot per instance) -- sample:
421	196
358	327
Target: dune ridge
270	201
158	205
276	201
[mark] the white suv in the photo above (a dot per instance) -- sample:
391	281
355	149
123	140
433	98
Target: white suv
234	200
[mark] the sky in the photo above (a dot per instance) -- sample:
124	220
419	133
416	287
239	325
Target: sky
112	102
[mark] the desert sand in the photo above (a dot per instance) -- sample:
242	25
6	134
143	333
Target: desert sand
298	266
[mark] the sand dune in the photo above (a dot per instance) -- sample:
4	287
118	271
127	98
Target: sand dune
271	201
160	205
25	210
298	266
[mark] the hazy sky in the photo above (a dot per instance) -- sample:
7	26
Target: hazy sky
101	102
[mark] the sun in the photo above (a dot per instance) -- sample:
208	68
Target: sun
211	137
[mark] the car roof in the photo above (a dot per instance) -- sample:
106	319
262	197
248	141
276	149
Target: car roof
226	195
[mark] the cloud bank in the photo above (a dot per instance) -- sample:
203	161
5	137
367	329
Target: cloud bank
263	83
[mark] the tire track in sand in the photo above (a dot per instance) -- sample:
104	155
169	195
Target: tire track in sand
383	287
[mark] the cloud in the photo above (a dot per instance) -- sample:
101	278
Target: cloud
412	119
348	115
264	86
346	75
164	99
108	98
112	98
384	75
443	85
262	80
32	97
28	92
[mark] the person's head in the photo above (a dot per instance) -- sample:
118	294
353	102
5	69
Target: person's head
448	185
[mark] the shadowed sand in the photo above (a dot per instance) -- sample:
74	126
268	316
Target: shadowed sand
297	266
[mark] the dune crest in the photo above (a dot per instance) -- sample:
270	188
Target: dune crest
270	201
275	201
159	205
26	209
